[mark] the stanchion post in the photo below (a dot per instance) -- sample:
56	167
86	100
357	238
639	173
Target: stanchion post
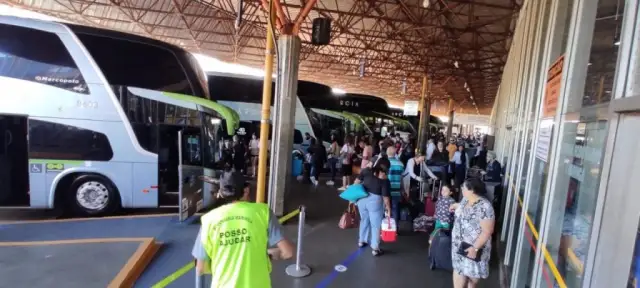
299	270
199	279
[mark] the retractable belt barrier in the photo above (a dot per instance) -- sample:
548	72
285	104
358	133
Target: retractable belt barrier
299	270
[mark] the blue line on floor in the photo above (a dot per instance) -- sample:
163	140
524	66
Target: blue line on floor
327	280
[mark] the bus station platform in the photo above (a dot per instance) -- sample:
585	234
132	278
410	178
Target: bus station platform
155	251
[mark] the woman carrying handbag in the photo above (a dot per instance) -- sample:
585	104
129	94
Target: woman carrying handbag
373	207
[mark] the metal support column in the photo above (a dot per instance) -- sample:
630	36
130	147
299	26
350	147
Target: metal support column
425	114
284	120
450	124
266	112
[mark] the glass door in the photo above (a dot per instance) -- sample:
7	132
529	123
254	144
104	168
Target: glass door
617	252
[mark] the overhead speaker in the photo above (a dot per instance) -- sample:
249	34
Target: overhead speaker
321	33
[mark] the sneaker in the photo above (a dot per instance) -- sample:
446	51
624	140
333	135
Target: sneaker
330	183
342	188
362	244
376	252
314	181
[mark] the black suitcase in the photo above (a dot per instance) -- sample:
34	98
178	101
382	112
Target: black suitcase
440	251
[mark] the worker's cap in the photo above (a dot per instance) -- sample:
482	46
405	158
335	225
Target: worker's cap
232	184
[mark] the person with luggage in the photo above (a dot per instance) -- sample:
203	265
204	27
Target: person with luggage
413	171
444	217
375	182
471	235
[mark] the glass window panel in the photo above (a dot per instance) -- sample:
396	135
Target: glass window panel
581	150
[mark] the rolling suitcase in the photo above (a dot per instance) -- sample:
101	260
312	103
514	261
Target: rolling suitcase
430	199
440	251
406	220
429	206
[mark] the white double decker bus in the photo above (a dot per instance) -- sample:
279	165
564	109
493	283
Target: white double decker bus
90	119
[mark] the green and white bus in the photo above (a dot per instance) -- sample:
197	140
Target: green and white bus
90	121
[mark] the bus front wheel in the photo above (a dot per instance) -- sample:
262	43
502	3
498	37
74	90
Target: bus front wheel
93	195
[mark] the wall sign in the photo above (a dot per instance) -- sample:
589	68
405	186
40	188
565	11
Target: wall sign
411	108
544	141
553	86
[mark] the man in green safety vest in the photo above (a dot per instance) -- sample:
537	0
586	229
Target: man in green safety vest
234	240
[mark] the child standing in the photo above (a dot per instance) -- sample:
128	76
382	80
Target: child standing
444	217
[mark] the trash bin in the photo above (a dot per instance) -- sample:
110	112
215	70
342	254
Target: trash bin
296	163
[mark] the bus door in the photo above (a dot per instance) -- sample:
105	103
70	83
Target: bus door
14	159
190	169
179	161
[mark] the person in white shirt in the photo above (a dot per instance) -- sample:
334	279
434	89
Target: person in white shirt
410	171
254	148
346	154
430	148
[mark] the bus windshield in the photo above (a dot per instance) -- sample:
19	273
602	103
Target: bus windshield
324	125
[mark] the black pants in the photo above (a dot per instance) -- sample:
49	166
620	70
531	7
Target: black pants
239	164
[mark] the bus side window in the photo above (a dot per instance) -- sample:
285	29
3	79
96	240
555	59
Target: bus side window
142	114
48	140
136	64
22	57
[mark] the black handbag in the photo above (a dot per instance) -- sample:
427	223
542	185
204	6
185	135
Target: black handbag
464	246
462	251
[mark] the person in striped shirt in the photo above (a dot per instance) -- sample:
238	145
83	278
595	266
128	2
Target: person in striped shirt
396	168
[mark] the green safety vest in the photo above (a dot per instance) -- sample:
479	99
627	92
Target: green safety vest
235	238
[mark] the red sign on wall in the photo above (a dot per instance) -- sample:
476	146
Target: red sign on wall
553	88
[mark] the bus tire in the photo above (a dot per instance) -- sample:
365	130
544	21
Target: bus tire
92	195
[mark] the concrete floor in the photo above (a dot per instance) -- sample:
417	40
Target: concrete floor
63	265
405	263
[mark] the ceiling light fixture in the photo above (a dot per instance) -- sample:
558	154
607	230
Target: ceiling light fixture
338	91
404	86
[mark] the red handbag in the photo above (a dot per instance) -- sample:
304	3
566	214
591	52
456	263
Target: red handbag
350	217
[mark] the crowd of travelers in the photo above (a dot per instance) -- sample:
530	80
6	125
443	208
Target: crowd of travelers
396	175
